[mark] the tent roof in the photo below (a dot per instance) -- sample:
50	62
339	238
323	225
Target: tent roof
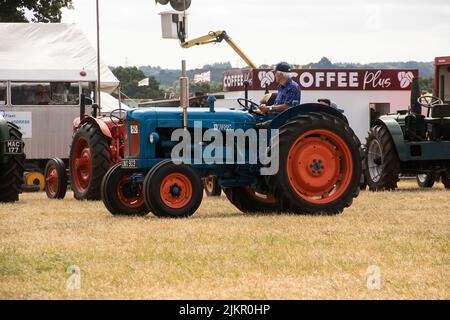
50	46
109	103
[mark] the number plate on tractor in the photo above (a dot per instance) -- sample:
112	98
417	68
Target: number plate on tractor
13	147
131	164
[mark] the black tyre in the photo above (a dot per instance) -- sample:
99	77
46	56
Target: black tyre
363	186
446	180
11	172
55	179
89	161
425	180
173	191
212	187
320	170
122	196
382	162
248	201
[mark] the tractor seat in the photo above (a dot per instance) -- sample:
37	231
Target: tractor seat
439	114
440	111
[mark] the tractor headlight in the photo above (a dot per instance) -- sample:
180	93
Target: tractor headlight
154	138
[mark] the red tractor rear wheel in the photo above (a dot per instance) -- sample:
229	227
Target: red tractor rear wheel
89	162
55	179
321	171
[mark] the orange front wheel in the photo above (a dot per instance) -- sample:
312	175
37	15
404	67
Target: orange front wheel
55	179
173	190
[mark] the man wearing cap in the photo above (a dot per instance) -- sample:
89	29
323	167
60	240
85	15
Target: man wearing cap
288	90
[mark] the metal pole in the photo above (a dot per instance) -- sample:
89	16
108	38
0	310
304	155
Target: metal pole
184	92
98	60
120	102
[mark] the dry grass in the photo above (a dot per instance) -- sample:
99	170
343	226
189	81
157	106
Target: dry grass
221	253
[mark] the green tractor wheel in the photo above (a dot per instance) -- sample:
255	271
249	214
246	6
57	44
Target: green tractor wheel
382	162
11	168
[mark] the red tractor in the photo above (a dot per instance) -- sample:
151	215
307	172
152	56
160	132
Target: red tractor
97	145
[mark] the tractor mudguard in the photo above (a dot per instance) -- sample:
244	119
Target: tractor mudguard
99	123
290	113
396	133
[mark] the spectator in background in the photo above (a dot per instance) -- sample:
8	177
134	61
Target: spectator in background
41	96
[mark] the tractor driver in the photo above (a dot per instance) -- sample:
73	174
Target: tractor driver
288	91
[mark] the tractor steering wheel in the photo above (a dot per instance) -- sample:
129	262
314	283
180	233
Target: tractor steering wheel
249	105
429	101
112	116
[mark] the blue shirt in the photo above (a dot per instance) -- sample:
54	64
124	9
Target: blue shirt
288	93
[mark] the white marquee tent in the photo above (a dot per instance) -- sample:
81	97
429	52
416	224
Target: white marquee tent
51	47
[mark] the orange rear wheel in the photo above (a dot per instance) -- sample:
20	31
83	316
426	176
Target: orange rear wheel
319	166
322	169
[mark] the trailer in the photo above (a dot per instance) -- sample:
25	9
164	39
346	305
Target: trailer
44	71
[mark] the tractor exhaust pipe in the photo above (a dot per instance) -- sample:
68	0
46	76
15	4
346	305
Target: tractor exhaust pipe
82	106
415	95
184	92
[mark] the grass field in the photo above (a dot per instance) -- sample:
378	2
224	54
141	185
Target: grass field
220	253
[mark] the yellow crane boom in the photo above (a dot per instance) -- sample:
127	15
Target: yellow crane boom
216	37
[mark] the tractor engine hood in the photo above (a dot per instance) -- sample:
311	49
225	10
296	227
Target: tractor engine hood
222	119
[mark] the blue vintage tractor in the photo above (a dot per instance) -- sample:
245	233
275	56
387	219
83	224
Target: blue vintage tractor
410	143
320	162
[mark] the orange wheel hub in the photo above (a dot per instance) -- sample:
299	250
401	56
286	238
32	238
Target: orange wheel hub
130	195
319	166
81	164
52	179
176	190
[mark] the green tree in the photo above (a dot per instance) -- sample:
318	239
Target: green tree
209	87
36	10
426	84
129	78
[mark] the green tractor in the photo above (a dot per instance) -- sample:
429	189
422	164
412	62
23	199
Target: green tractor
11	161
410	143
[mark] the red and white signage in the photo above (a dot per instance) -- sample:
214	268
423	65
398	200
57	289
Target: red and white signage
324	79
442	61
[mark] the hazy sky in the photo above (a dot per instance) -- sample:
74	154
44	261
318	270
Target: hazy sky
298	31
